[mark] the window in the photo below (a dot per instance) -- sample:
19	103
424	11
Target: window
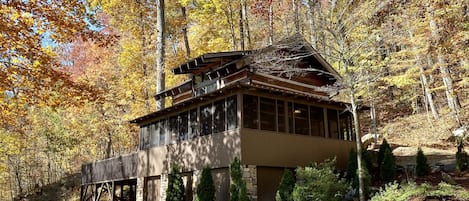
173	129
162	125
316	115
145	135
346	130
153	135
183	126
250	110
206	119
281	116
290	117
219	116
300	112
333	124
268	114
231	112
193	123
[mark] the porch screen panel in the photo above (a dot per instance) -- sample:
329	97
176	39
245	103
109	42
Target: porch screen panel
183	126
193	123
268	114
219	116
291	125
250	110
173	129
333	124
281	116
153	135
345	127
231	112
206	119
316	115
162	130
300	112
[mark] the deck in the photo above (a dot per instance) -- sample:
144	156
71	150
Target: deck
112	169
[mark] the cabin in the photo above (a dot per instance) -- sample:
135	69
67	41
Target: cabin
272	108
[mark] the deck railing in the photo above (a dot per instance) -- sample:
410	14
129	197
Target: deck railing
117	168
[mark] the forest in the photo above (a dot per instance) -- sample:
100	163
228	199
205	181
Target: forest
74	73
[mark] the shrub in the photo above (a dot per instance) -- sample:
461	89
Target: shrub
285	189
175	190
384	146
238	191
462	159
206	189
318	182
387	170
396	192
422	167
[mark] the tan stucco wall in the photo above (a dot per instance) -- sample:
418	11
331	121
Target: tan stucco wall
215	151
272	149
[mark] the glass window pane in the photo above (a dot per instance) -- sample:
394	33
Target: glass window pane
333	124
163	127
268	114
231	112
290	117
219	116
301	119
316	114
183	126
206	119
281	116
250	110
193	123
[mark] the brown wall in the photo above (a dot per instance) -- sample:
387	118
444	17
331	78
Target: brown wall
215	151
272	149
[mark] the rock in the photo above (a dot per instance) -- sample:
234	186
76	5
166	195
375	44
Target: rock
461	132
447	178
368	139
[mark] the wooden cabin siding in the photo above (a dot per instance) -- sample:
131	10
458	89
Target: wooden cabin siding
287	85
182	97
215	151
289	150
118	168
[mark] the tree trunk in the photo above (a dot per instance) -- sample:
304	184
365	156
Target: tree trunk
451	96
296	19
246	23
184	32
311	5
160	74
426	91
230	20
241	27
271	23
109	145
356	123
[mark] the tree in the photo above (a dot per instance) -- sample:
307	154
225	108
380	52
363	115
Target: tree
387	171
318	182
285	189
352	174
462	159
238	190
382	149
175	190
422	168
206	189
160	41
